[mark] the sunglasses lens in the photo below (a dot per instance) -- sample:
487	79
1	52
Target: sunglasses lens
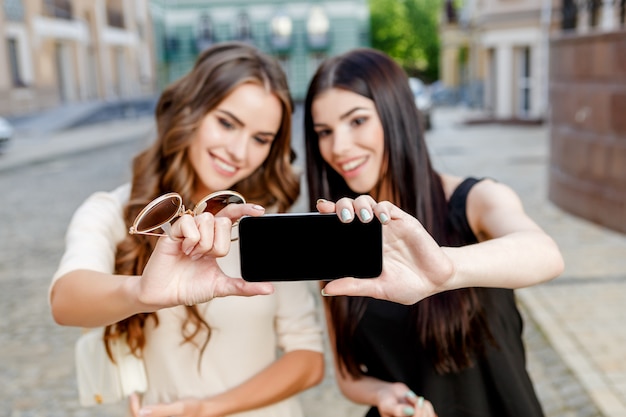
215	204
159	214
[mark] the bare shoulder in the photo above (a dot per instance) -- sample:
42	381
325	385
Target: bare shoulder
484	192
488	194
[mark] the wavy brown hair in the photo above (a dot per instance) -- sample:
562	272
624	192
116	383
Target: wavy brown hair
165	167
409	181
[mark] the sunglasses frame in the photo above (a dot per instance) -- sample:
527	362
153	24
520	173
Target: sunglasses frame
198	209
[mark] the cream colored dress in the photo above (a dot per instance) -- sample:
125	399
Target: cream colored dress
247	333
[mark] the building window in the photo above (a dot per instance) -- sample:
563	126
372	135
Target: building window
525	82
594	12
206	33
58	9
244	28
569	15
14	10
14	63
115	14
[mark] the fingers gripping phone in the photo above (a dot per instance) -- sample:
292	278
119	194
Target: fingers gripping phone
308	246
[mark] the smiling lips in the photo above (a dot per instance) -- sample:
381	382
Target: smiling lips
224	166
352	165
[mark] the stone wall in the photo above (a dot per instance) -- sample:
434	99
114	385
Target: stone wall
588	126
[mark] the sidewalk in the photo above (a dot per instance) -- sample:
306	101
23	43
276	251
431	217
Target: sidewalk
582	313
28	149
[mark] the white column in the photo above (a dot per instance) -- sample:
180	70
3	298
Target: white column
582	25
608	17
504	81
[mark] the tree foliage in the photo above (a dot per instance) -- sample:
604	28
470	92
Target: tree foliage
407	30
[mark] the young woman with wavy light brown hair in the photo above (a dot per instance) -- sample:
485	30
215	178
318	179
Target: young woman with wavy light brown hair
226	125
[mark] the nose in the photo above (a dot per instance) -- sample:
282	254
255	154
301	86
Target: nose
237	147
342	141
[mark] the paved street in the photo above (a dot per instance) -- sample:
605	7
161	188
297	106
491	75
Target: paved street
574	325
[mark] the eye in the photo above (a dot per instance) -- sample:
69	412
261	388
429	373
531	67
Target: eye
263	140
322	133
225	123
359	121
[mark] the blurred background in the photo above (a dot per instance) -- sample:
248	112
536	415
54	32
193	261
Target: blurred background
530	92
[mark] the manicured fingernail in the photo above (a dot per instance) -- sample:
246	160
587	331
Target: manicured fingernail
345	215
257	207
365	215
408	411
420	402
325	294
320	200
383	218
410	394
144	412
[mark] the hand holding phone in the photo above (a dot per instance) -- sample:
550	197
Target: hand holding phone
308	246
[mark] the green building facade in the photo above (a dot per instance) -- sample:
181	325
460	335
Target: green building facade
300	33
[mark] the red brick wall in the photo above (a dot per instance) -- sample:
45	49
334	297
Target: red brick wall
588	126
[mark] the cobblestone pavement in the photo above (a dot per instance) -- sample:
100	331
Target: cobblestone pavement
36	355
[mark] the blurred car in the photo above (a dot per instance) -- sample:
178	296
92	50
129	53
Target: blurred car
6	133
423	101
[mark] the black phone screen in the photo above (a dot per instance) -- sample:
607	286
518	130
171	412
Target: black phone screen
308	246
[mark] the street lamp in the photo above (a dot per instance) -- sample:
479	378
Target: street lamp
317	28
281	28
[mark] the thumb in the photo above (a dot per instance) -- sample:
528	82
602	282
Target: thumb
359	287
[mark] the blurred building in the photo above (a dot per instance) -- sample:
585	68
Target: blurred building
495	54
300	33
587	174
59	51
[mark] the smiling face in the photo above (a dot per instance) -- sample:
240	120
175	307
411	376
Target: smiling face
234	138
351	137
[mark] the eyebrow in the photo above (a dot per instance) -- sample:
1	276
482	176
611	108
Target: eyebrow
240	123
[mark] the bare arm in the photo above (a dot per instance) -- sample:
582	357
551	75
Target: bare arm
294	372
182	270
513	251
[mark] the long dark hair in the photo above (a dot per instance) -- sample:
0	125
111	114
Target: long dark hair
164	166
408	176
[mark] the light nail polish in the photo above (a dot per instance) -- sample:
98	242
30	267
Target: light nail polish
383	218
420	402
408	411
365	215
345	215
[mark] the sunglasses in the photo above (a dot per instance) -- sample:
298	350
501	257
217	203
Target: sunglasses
162	210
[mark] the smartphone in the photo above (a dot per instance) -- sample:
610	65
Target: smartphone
308	246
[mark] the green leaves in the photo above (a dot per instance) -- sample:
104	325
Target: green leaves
408	31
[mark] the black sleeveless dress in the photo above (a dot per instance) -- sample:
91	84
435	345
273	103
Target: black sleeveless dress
497	385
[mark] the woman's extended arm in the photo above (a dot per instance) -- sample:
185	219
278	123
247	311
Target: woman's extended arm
182	270
513	251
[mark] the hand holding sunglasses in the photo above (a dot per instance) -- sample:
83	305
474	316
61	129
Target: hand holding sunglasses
187	273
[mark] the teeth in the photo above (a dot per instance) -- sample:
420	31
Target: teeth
224	166
352	164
